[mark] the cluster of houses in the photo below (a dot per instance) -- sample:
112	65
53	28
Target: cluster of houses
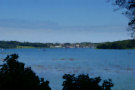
74	45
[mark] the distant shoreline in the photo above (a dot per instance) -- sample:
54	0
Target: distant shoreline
16	44
124	44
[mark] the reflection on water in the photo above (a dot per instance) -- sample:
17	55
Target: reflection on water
119	65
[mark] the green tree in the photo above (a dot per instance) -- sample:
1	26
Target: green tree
84	82
15	76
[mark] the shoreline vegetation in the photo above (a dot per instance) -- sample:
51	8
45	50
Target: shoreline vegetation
124	44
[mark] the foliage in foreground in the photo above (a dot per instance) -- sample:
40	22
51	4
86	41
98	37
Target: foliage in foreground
15	76
129	10
84	82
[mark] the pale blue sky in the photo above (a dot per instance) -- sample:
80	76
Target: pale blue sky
61	21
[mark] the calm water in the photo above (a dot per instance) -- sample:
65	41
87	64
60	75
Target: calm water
119	65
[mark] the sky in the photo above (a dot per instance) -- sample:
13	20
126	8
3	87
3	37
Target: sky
61	21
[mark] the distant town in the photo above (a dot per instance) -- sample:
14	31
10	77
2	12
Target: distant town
74	45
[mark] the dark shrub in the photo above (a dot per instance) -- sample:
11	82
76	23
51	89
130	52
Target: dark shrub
83	82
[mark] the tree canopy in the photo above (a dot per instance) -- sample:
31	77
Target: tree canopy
15	76
129	7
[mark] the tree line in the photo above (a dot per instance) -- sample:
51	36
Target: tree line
15	44
14	75
125	44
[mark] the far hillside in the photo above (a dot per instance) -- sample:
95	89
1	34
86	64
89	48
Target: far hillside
125	44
